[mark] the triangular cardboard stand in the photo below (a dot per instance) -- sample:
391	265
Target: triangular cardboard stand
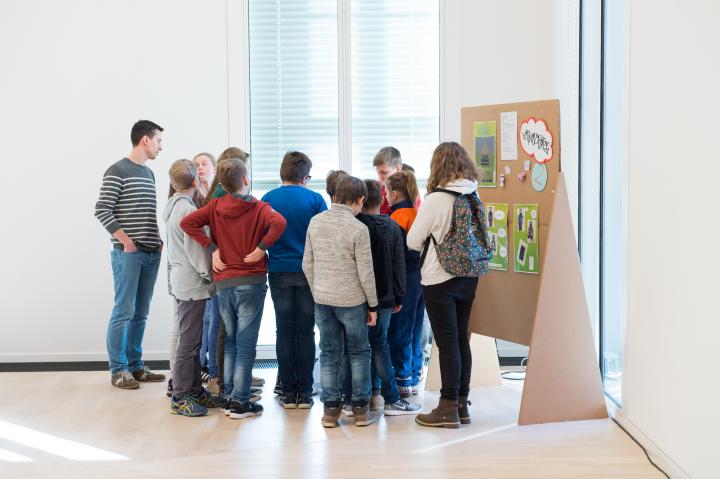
563	378
485	365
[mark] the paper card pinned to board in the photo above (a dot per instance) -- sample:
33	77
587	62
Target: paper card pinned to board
508	135
526	231
485	152
497	227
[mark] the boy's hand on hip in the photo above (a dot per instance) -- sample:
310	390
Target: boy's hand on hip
255	256
217	263
372	318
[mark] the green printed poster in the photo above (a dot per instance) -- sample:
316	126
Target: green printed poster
526	234
497	227
484	152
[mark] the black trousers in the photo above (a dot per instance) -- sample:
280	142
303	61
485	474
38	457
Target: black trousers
186	370
448	305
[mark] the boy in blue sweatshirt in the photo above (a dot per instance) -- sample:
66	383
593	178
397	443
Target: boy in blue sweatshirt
292	299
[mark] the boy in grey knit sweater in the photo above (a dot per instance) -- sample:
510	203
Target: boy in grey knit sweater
339	269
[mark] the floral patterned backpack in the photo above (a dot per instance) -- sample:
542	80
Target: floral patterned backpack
465	250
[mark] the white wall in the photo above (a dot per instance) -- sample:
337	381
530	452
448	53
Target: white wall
670	385
75	77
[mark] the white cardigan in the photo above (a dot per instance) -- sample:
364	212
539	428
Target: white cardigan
435	217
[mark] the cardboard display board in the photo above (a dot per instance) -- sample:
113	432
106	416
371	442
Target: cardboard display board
546	311
508	298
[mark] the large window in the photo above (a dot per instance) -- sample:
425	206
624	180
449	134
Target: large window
603	176
338	80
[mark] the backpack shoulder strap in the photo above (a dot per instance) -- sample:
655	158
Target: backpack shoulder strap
443	190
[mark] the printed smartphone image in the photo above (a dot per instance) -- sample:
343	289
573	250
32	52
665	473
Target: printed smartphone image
522	252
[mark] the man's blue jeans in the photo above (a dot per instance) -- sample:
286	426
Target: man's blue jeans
241	308
381	369
295	323
210	327
134	276
344	329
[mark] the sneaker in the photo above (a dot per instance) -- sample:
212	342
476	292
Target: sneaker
258	381
248	409
278	389
289	402
169	390
414	390
124	380
331	415
255	397
376	402
205	399
405	391
305	402
255	390
401	407
188	407
214	386
347	410
204	375
362	415
227	405
146	375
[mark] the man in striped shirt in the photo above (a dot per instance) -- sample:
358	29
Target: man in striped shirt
127	209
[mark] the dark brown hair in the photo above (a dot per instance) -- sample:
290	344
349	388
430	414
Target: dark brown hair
373	198
450	162
295	167
231	173
331	181
404	182
143	128
349	189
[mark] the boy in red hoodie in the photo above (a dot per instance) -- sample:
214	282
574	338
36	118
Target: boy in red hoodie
243	228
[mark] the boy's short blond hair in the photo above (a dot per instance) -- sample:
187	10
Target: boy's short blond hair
182	174
389	156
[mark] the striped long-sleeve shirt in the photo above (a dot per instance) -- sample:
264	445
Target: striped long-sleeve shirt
128	202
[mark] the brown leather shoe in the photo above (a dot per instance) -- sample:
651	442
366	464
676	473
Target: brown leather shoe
444	415
463	410
331	415
124	380
362	415
146	375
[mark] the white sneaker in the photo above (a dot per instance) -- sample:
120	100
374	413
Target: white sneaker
400	408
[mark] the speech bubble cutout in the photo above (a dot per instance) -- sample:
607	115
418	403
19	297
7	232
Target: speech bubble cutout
533	214
503	251
499	215
536	140
501	232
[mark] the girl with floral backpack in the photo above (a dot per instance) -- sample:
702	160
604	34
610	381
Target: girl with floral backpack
450	231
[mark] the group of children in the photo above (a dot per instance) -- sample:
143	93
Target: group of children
346	269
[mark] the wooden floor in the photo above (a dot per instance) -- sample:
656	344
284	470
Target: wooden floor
75	425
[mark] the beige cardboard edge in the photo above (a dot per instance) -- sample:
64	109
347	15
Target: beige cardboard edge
485	364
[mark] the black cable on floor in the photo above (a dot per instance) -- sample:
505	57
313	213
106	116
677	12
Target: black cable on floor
641	447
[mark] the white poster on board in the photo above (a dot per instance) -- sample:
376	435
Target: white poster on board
508	135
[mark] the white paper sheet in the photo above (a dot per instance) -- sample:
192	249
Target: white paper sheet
508	135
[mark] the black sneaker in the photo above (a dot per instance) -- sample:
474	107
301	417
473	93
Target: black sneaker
248	409
289	402
206	399
278	389
169	390
227	405
305	402
255	390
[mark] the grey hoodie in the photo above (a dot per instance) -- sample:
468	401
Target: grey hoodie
190	266
435	217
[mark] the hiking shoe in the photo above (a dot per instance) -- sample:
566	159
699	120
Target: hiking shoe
169	390
206	399
463	410
362	415
124	380
248	409
258	381
444	415
214	386
376	402
331	414
347	410
401	407
305	402
146	375
405	391
188	407
289	402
